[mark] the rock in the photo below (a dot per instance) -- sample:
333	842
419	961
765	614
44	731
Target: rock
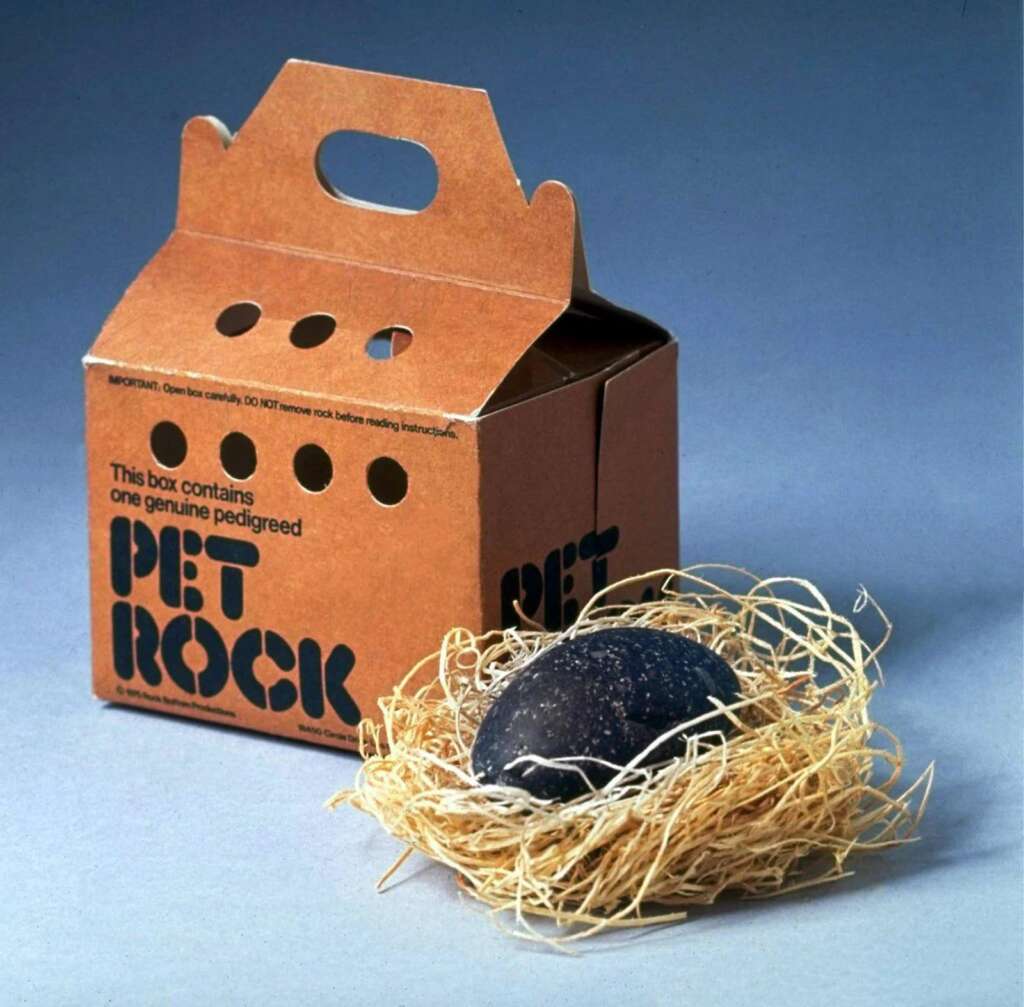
606	695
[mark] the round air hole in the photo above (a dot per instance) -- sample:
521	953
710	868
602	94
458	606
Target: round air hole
313	468
313	330
387	480
389	342
168	444
238	318
238	455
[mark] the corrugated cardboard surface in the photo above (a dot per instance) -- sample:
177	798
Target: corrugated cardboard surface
291	611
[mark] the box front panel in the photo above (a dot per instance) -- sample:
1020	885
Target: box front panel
271	560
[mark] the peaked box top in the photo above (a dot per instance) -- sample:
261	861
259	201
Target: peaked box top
467	284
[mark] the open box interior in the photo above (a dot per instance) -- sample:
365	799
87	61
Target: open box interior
589	337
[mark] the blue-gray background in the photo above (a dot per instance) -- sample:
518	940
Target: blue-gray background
822	200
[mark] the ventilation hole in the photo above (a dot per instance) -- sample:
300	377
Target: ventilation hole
238	318
313	468
389	342
313	330
168	444
238	455
377	172
387	480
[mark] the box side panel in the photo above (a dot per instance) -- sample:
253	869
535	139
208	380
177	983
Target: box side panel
638	468
286	600
578	490
538	476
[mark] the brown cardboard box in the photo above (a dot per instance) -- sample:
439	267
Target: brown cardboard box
282	524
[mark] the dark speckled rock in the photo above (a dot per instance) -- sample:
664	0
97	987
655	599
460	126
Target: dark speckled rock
605	695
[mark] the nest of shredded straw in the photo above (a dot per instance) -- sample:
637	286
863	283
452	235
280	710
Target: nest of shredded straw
803	780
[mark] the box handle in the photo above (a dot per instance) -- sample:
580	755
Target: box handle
263	184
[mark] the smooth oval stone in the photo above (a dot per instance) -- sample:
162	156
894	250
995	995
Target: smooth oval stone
606	695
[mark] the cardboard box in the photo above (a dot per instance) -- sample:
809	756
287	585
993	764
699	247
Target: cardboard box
283	519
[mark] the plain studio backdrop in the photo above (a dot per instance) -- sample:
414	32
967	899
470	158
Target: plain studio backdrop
823	202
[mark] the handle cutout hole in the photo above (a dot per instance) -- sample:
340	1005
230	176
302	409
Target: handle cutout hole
168	443
311	331
377	172
238	318
313	468
238	456
388	482
389	342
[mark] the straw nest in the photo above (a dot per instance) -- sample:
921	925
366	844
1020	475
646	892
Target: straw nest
804	779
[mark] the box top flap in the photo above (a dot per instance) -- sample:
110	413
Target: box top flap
168	321
453	295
